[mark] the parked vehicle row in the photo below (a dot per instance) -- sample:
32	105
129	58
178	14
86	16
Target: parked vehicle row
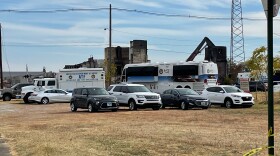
136	96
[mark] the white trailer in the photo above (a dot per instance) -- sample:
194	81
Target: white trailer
67	79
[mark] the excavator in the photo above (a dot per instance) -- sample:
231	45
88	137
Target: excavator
216	54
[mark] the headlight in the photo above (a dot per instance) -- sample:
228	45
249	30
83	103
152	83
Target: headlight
237	96
140	96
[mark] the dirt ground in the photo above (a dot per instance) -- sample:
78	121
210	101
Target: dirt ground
32	129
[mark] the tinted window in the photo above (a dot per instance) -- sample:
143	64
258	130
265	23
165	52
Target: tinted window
117	89
232	89
50	91
142	71
51	83
174	92
61	91
109	88
77	91
97	91
187	92
180	70
167	92
124	89
218	89
84	92
184	73
133	89
211	89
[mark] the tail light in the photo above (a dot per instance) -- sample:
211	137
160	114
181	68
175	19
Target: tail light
205	81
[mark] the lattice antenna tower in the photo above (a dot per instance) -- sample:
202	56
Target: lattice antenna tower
237	54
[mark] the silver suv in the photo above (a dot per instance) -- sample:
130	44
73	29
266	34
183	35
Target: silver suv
135	96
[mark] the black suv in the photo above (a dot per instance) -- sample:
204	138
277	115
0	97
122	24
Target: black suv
93	99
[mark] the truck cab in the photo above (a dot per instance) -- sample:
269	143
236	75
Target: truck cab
39	85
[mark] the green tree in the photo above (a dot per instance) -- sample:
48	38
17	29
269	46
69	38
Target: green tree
257	64
110	72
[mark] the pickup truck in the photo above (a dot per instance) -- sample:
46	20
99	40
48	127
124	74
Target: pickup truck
12	93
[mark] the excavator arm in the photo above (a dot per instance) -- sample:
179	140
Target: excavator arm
200	47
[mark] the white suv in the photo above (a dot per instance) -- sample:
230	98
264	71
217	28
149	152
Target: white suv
228	96
135	96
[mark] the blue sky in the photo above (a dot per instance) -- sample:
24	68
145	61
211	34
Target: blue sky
52	40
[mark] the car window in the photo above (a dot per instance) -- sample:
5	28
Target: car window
211	89
186	92
84	92
167	92
97	91
77	91
50	91
61	91
232	89
109	88
174	92
133	89
218	89
117	89
124	89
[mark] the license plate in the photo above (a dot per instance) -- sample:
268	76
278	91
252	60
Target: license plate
109	104
203	103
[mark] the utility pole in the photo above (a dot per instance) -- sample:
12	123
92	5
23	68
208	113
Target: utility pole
110	45
1	62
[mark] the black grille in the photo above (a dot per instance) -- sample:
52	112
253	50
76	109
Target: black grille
246	98
151	97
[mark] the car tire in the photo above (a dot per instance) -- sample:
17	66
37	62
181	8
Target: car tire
25	98
162	106
184	105
228	103
90	107
45	100
132	105
73	107
7	98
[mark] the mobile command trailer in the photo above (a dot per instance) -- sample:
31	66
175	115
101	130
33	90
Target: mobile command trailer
161	76
67	79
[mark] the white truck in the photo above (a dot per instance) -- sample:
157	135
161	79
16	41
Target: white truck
67	79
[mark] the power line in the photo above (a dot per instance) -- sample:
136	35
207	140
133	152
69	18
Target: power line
128	10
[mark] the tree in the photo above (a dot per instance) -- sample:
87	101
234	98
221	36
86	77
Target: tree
257	64
110	72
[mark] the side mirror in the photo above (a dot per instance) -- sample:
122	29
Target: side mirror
124	91
221	91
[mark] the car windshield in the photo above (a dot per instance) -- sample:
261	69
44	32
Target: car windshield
97	91
232	89
187	92
133	89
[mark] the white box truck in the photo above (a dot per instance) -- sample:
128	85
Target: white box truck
67	79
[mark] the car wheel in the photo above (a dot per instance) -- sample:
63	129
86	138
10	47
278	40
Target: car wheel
162	106
184	106
90	107
44	100
73	107
25	98
228	103
132	105
6	98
